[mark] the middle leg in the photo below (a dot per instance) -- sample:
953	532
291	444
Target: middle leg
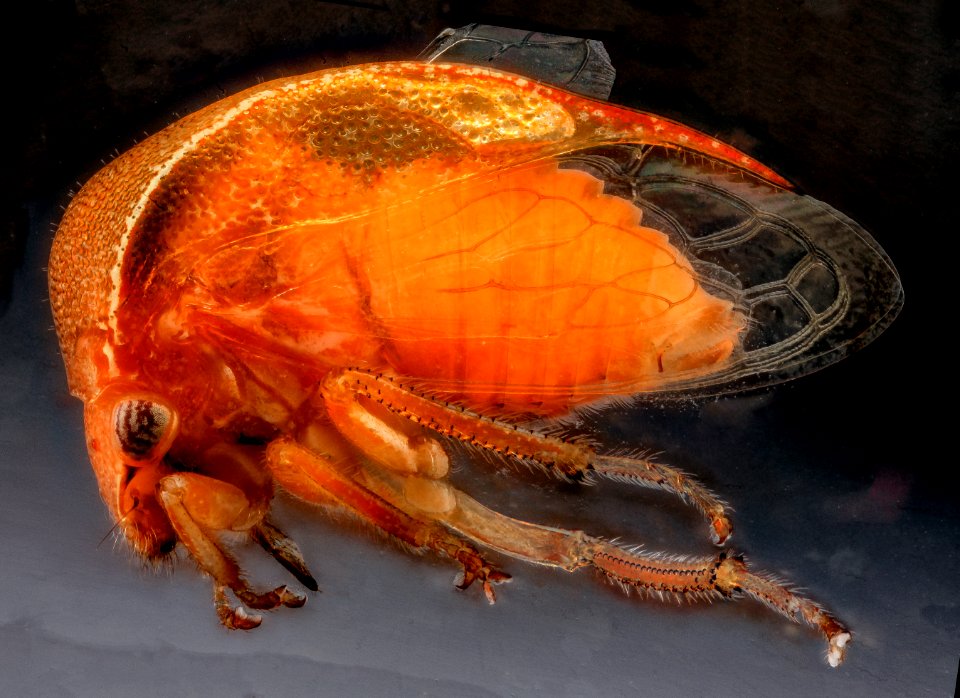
344	391
317	475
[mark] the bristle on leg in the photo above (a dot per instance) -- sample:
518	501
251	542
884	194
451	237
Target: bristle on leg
725	575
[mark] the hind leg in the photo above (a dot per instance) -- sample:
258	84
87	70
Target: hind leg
723	575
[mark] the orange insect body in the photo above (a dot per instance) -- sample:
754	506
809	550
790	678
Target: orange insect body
302	275
376	162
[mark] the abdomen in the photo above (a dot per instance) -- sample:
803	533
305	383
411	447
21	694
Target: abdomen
533	289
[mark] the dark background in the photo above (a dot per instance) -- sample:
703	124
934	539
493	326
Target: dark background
855	102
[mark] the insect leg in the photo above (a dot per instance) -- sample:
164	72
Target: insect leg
384	393
197	505
321	478
374	427
648	473
724	575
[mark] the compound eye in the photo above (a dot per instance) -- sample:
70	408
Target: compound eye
143	427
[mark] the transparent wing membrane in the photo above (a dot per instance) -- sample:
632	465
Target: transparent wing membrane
579	65
813	284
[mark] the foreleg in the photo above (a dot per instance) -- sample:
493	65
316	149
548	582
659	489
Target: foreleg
198	507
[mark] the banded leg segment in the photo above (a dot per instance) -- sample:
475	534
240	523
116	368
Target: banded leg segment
317	479
341	391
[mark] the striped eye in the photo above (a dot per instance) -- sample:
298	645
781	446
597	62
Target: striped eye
141	426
